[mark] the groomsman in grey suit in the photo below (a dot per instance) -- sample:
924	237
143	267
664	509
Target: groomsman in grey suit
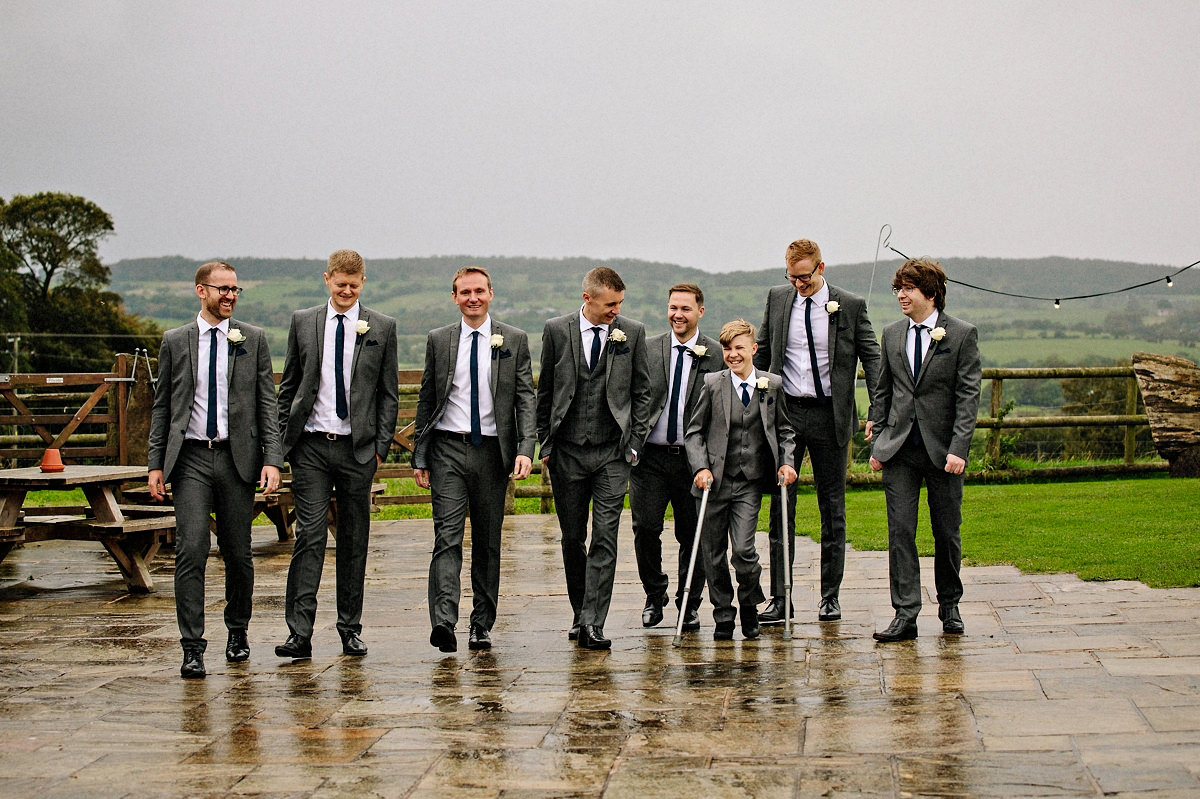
476	428
678	361
593	414
213	435
815	335
924	418
739	443
337	410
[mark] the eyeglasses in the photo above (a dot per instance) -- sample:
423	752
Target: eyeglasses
225	291
906	289
805	278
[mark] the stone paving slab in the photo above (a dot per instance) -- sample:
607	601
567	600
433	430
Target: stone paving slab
1061	688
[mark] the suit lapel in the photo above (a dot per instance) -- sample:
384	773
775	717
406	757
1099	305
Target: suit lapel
233	325
193	355
363	316
574	338
319	336
780	332
607	348
495	364
834	296
453	335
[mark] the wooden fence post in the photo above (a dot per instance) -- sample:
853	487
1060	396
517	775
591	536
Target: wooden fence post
993	444
1131	396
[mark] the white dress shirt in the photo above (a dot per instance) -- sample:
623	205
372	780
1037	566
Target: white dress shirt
659	434
585	332
324	418
456	418
198	422
737	384
929	323
797	365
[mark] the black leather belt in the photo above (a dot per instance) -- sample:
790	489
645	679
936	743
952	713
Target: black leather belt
464	437
207	444
670	449
810	402
327	436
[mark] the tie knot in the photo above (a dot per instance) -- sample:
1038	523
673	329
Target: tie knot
596	329
681	348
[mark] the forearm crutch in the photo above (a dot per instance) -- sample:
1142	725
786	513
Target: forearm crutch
687	586
787	561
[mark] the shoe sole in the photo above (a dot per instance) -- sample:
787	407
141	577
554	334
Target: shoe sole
768	622
290	653
477	645
237	658
838	617
193	675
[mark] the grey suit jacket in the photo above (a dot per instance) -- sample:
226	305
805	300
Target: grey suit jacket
374	388
511	384
943	400
253	430
658	355
707	439
627	380
851	341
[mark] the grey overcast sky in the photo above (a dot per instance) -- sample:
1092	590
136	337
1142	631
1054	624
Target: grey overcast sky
708	134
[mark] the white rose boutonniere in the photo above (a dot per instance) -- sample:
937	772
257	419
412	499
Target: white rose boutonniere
761	384
361	327
497	341
832	307
938	333
236	336
699	351
617	334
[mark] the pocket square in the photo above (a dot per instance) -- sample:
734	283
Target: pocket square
239	351
620	351
371	343
503	354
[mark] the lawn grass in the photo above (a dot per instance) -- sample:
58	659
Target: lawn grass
1131	528
1145	528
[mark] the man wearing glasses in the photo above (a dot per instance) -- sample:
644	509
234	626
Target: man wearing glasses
815	335
337	414
213	435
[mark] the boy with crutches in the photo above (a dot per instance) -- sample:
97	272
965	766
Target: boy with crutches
739	441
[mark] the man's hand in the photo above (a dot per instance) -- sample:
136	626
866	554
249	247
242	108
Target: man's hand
422	478
158	489
268	481
703	479
868	431
522	467
787	474
875	465
955	464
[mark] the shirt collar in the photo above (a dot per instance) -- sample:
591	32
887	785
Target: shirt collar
485	330
819	298
930	322
690	343
204	326
737	381
351	315
586	326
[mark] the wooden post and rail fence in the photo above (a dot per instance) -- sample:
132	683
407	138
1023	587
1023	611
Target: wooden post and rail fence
105	418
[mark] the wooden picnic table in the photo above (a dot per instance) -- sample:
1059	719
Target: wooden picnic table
131	534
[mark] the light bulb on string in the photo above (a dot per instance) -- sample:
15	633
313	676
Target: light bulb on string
1057	305
1170	282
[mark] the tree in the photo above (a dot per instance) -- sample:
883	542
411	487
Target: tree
55	238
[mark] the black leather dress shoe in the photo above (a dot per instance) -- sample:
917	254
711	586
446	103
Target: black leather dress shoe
352	645
592	637
724	631
899	630
479	638
573	635
443	638
773	612
691	620
295	647
193	664
829	610
652	614
952	623
238	648
750	627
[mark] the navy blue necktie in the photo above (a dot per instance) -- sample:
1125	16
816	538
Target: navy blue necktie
673	413
339	363
812	348
917	350
595	349
211	429
476	427
745	395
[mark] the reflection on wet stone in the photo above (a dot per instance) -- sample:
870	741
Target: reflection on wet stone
1062	688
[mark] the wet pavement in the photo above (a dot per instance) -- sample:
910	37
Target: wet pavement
1059	688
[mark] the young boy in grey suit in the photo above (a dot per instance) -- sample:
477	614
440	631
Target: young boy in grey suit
739	443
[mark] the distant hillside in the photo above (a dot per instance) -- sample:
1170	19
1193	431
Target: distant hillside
530	290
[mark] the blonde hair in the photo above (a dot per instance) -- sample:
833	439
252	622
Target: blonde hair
731	330
348	262
800	249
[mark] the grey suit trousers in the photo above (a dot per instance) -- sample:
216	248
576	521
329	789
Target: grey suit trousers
203	481
729	525
321	467
659	479
815	432
465	479
583	474
902	477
